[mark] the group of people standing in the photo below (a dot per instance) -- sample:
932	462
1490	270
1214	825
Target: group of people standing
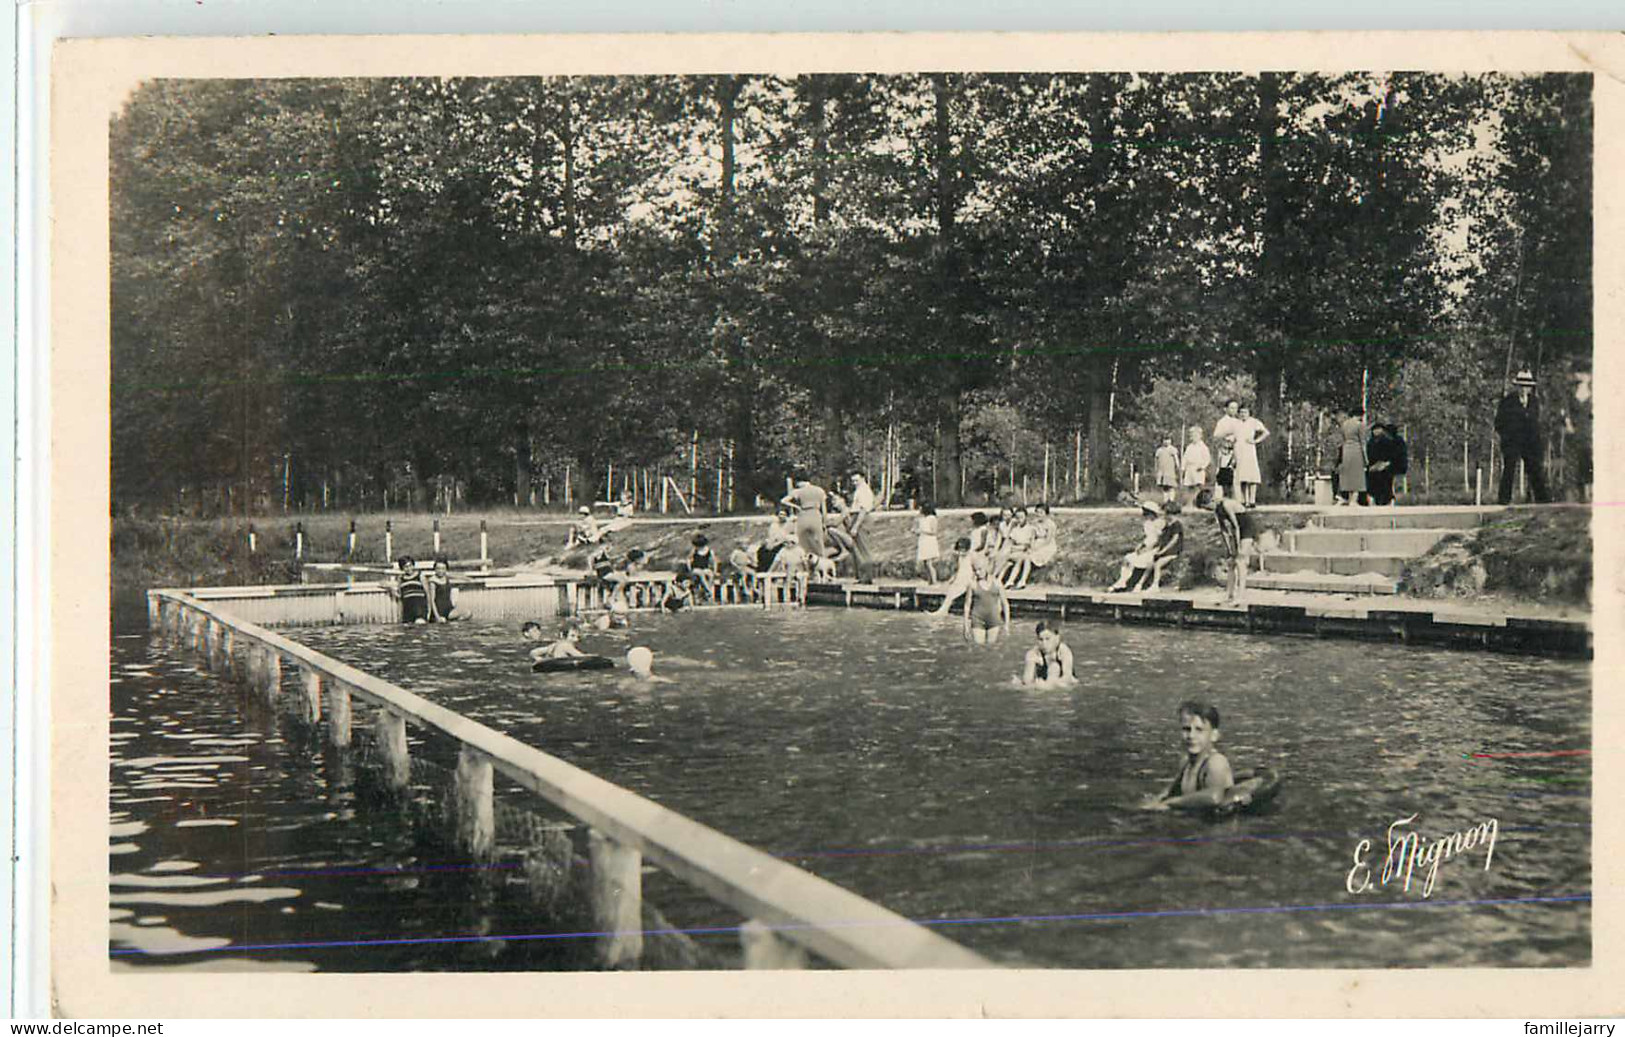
829	525
1369	459
1232	461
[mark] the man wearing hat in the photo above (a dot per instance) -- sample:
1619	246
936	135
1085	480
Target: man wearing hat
1517	422
585	530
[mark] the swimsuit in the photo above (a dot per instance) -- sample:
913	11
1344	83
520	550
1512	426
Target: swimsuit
984	606
414	599
442	598
1200	783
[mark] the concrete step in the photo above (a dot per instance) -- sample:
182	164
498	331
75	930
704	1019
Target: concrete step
1411	542
1334	564
1320	583
1403	518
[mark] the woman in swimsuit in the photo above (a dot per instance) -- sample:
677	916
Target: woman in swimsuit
987	610
442	609
1205	775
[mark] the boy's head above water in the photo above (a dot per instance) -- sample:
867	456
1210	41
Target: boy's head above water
1198	725
1049	633
640	661
531	631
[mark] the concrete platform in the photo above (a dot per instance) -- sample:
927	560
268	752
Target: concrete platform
1335	564
1410	542
1405	518
1262	612
1323	583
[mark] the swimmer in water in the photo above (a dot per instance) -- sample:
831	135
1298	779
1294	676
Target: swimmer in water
987	610
641	662
1205	776
1049	662
566	646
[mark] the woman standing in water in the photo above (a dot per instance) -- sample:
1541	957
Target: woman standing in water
807	501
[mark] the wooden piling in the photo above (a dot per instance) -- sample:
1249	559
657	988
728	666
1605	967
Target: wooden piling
617	900
273	672
310	704
389	730
473	804
765	949
338	714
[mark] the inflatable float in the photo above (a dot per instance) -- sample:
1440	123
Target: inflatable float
571	663
1253	789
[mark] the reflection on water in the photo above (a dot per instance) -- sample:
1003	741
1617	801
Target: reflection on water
880	752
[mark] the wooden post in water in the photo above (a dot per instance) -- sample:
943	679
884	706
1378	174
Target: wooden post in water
390	732
764	949
474	808
273	673
617	900
338	714
310	705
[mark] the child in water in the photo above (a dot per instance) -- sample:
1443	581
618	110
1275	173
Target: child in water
442	607
567	644
987	610
413	594
1205	776
641	662
1049	662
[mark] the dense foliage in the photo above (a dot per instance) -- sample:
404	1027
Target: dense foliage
329	291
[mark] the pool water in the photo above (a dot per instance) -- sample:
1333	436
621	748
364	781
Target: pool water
881	752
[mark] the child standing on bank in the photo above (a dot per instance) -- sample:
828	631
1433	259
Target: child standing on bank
927	550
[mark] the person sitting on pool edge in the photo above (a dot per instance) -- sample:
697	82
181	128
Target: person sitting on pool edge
1205	774
962	575
567	645
410	589
1140	560
679	593
1049	662
702	562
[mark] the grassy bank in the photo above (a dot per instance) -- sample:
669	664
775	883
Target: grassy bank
172	552
1528	554
1531	555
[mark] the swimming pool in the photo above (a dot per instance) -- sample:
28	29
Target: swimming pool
878	751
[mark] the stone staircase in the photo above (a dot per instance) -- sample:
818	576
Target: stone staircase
1359	550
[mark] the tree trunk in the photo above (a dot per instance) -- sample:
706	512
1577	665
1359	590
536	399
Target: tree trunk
1099	482
951	482
521	464
1271	316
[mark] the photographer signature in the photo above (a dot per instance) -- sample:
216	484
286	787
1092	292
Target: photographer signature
1406	851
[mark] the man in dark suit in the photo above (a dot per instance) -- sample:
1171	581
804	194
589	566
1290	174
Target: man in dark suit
1517	422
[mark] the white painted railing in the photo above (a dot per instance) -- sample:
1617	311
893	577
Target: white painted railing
790	912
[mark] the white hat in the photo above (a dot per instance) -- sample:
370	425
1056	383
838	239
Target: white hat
1523	377
585	510
1152	506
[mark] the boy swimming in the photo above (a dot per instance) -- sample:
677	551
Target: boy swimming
566	645
1049	662
1205	775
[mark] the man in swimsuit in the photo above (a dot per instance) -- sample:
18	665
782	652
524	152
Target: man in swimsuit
1049	662
1238	528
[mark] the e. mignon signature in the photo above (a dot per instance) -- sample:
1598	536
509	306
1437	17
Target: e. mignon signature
1407	850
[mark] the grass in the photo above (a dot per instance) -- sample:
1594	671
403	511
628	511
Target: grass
1532	554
